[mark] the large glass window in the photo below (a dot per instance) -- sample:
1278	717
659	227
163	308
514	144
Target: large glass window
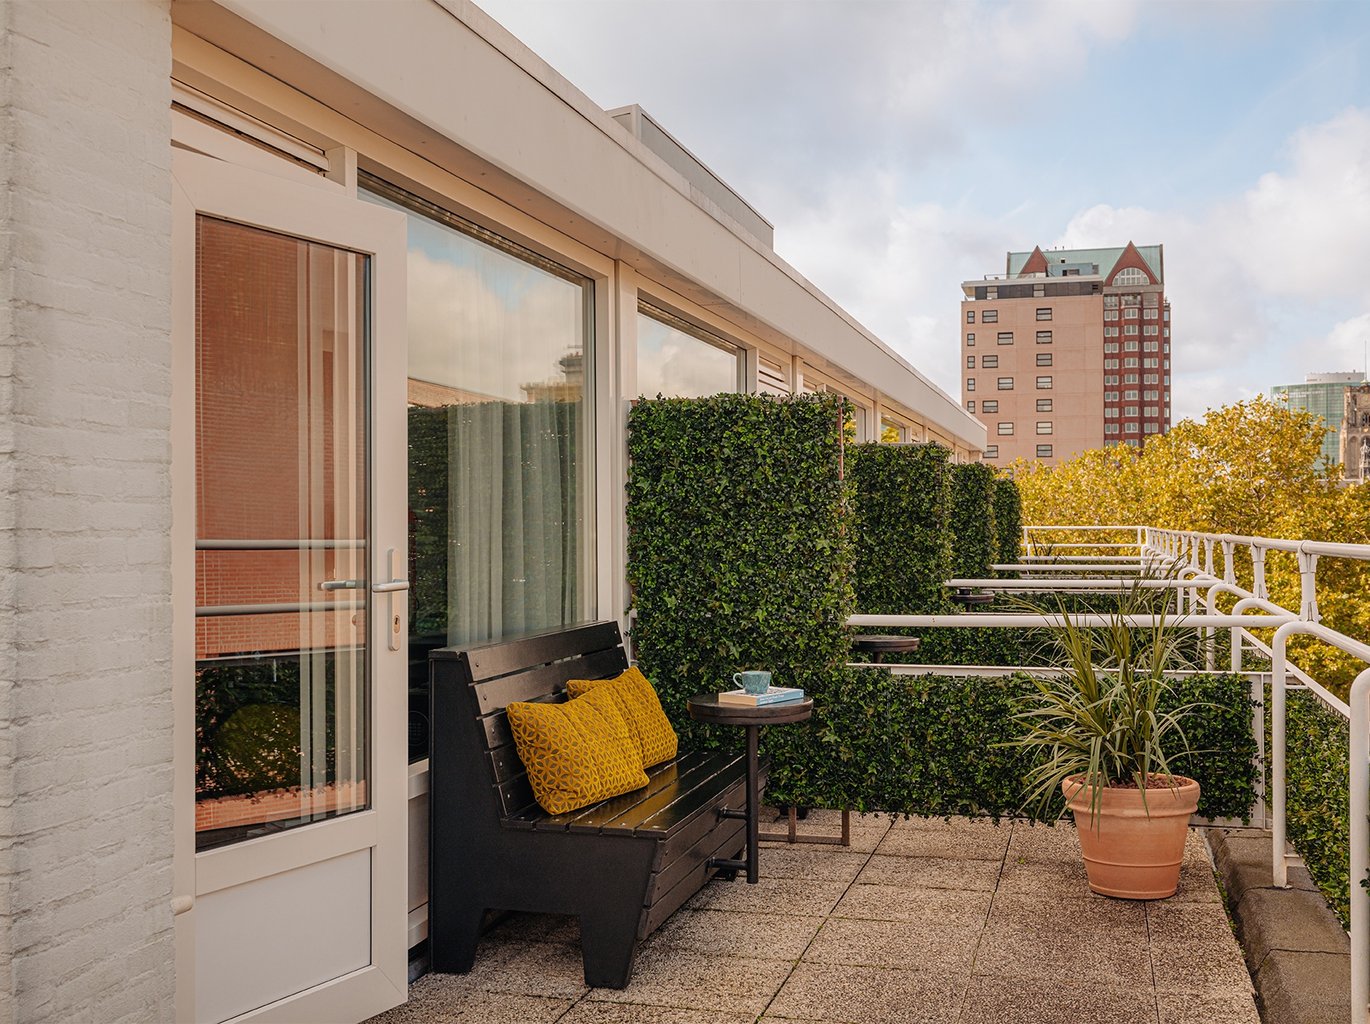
676	360
500	498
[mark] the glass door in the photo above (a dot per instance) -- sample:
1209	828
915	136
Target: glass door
296	674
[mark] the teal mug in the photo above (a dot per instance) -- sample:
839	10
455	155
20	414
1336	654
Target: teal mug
752	682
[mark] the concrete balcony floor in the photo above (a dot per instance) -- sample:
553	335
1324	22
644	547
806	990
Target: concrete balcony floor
918	921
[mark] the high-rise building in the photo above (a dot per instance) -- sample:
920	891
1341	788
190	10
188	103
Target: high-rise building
1323	394
1068	350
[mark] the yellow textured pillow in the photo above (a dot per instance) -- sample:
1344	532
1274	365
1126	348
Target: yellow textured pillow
641	709
575	753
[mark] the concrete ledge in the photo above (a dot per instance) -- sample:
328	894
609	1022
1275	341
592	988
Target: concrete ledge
1297	952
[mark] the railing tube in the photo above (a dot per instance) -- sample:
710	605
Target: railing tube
1279	865
1360	846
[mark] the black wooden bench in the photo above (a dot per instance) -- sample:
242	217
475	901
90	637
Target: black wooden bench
623	865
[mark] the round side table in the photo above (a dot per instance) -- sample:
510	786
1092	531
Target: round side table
706	707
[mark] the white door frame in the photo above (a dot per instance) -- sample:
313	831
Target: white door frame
205	185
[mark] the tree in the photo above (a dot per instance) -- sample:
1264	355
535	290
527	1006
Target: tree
1252	468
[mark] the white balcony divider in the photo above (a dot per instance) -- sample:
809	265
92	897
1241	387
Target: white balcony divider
1205	562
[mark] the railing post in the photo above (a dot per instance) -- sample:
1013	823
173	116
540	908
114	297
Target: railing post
1258	571
1229	563
1360	846
1279	867
1308	572
1208	555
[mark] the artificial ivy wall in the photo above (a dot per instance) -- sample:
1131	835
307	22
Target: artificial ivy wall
740	551
1008	522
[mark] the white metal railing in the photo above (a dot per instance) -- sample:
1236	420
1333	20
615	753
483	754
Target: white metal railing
1202	567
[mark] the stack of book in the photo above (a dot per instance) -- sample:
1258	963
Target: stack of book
773	695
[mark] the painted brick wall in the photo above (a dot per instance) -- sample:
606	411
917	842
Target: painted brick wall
85	622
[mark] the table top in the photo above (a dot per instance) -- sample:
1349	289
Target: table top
706	707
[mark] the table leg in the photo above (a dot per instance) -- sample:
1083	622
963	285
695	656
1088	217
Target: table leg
753	803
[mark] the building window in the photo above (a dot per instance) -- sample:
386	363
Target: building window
970	337
1165	314
989	316
1043	383
1044	337
1044	405
1111	396
970	316
1150	378
1110	428
1110	346
1130	428
1129	378
1149	314
1111	412
1044	451
1005	338
1151	411
1130	329
1110	315
1039	291
1130	363
1005	383
1004	427
1151	299
970	406
989	362
970	383
1129	411
1150	330
678	360
1044	426
989	405
1110	302
1044	313
1111	378
991	451
1151	428
1110	364
1129	346
1151	362
1151	346
1131	313
1130	396
970	362
1043	358
1151	396
1165	333
1110	332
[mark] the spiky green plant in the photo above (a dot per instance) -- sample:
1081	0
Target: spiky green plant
1101	718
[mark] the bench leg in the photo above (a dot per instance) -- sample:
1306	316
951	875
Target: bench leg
608	942
452	944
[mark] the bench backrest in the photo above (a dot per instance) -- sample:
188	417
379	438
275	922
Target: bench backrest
470	689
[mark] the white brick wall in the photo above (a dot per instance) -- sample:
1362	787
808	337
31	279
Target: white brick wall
85	637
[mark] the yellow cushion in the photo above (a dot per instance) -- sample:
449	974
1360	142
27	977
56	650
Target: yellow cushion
641	709
575	753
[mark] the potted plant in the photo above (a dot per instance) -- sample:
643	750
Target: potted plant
1103	734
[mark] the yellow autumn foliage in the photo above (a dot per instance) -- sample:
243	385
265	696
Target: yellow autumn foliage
1252	468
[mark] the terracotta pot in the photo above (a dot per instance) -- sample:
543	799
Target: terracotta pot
1133	851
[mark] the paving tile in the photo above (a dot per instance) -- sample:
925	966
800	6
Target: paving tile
724	934
1193	950
968	838
1047	938
528	968
1056	1001
866	829
902	945
557	928
439	999
895	903
931	873
834	864
866	995
804	897
675	978
588	1012
1189	1008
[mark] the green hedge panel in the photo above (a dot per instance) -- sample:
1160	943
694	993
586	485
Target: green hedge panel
930	746
974	542
740	551
1008	521
903	547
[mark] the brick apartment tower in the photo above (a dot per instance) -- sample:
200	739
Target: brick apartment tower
1068	350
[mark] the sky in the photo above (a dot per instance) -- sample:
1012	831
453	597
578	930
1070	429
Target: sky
901	147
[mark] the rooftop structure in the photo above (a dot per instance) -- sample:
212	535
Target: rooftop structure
1068	350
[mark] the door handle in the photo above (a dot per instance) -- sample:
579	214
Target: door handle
391	587
341	585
